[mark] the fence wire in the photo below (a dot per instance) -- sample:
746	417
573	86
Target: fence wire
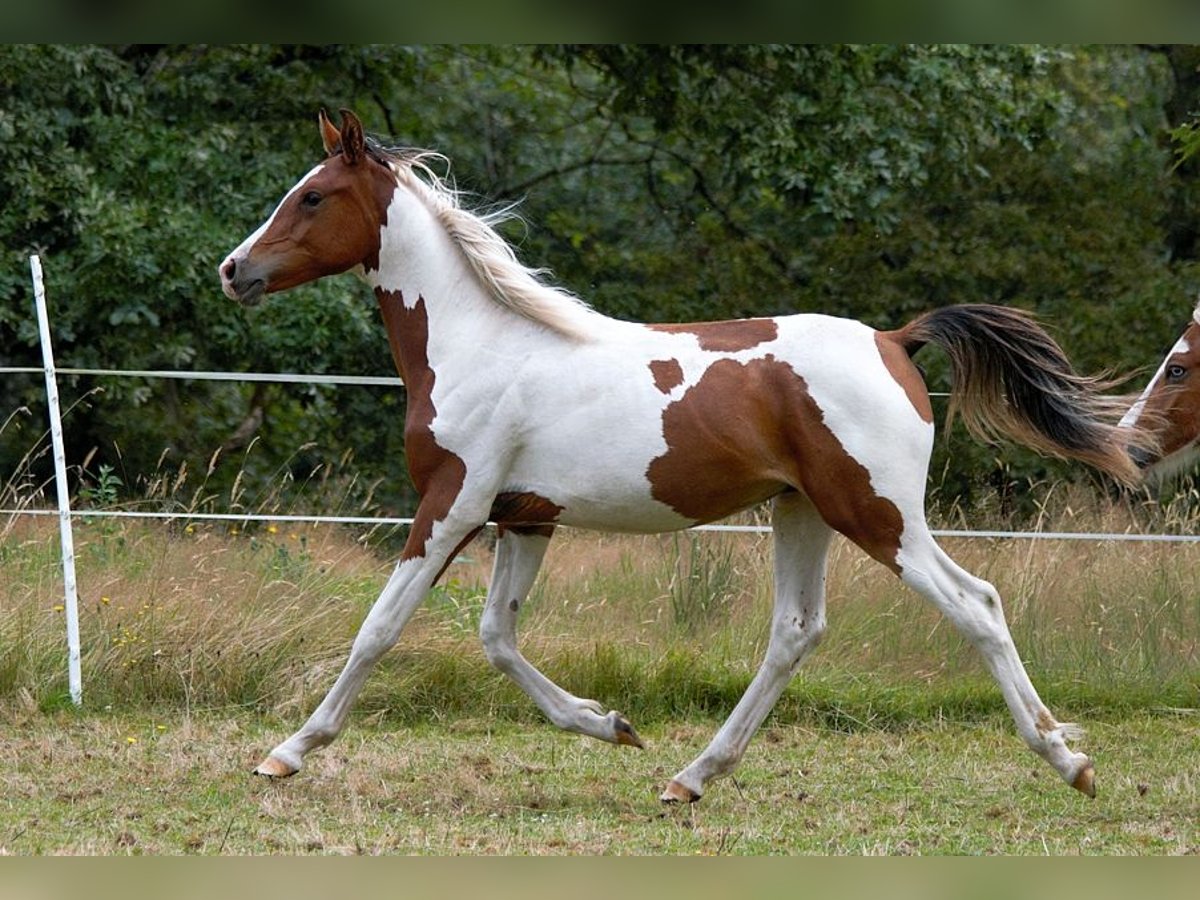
394	381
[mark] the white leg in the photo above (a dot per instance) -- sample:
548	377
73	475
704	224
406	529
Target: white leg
973	606
797	625
403	593
518	558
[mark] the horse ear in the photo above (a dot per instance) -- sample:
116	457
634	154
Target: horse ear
330	136
353	142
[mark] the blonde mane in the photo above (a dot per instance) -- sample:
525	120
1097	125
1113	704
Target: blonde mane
510	283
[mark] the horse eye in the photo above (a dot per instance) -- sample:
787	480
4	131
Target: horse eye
310	199
1175	372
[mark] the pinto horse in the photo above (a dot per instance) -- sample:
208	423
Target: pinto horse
1169	408
529	409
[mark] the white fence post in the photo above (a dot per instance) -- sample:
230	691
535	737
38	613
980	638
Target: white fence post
71	604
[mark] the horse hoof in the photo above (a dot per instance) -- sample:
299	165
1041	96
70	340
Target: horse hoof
274	768
677	793
1085	781
624	732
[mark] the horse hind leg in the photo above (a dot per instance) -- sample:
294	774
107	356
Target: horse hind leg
974	607
519	555
797	624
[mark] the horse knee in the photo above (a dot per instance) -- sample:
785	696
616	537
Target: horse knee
980	616
373	640
795	637
502	656
499	646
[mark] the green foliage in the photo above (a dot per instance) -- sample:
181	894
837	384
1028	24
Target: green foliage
104	491
1187	141
703	582
838	131
659	182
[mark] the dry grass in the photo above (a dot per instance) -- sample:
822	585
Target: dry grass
202	647
164	615
211	616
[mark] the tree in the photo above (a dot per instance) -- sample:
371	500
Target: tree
659	183
140	167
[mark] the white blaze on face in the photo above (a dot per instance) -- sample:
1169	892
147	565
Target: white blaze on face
243	249
1130	418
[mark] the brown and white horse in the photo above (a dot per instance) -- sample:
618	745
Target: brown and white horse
529	409
1169	408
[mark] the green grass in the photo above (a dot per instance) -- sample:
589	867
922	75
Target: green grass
203	647
158	782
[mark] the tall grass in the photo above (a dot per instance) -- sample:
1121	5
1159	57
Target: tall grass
661	627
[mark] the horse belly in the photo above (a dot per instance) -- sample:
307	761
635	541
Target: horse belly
615	488
592	495
591	466
645	518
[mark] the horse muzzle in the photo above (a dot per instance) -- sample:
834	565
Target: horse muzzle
241	280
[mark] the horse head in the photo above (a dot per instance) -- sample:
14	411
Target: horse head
1169	408
328	223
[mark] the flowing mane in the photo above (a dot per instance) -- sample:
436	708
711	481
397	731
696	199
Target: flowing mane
492	258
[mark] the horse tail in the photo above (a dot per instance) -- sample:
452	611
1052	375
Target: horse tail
1011	379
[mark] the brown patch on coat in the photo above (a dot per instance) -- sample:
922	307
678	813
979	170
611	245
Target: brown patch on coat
524	512
726	337
747	432
668	374
437	473
1045	722
901	367
517	508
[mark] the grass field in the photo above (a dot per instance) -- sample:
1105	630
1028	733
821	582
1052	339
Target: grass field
203	646
162	783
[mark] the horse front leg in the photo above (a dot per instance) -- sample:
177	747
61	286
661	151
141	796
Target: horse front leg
430	547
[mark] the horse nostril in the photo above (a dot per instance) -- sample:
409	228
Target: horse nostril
228	270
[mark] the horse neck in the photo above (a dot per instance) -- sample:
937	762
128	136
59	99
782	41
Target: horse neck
434	306
424	271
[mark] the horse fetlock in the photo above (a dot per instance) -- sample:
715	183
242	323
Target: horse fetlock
1071	731
590	718
592	706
